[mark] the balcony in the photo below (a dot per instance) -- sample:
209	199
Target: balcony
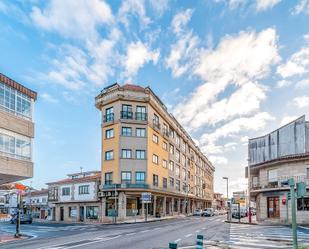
165	132
126	115
108	118
125	185
156	125
141	116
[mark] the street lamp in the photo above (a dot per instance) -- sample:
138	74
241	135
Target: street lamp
227	195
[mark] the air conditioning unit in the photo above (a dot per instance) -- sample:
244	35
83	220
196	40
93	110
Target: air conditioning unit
100	194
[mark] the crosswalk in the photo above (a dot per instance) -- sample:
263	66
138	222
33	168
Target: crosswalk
251	236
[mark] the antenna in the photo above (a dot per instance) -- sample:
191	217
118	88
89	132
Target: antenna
81	170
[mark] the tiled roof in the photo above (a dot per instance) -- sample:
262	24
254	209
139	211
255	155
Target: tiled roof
39	192
133	87
12	83
77	180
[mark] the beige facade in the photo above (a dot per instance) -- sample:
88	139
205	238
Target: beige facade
16	130
145	149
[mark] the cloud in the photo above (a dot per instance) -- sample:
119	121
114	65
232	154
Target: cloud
239	61
181	20
137	55
283	83
159	6
301	102
218	160
133	8
301	7
71	18
303	83
185	49
238	126
47	97
262	5
287	119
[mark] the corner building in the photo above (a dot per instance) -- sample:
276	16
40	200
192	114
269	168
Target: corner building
16	130
145	149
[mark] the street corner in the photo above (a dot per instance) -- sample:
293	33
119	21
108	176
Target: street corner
8	237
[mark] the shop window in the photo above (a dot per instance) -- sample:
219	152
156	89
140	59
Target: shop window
303	204
92	212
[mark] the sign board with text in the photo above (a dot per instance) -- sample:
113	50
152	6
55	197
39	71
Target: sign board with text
146	197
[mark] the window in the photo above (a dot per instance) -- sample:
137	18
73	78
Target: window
183	174
126	131
164	146
164	181
182	159
140	177
126	112
65	191
171	166
109	133
155	138
303	204
83	190
109	178
15	102
155	180
109	155
307	172
177	171
126	153
165	130
171	182
155	159
126	177
172	133
171	149
140	154
177	185
164	163
15	145
177	156
92	212
177	140
141	113
109	114
272	175
140	132
156	119
72	212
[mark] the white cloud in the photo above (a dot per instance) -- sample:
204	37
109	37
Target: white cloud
218	160
301	7
181	20
301	102
238	126
296	65
238	60
47	97
287	119
159	6
138	54
135	8
283	83
71	18
262	5
303	83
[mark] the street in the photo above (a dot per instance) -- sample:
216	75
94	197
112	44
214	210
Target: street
155	235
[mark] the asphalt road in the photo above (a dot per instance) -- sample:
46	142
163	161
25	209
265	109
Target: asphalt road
155	235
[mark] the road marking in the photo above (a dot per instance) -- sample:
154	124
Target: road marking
188	235
129	234
144	231
203	228
177	240
197	231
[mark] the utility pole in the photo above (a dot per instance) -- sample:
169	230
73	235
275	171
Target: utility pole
17	234
116	209
227	198
294	225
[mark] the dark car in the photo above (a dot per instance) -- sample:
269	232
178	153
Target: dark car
24	218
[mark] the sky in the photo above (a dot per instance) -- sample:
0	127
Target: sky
228	70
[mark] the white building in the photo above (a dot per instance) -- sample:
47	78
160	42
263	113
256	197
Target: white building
36	202
76	197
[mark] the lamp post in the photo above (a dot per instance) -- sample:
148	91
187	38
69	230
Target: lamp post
227	195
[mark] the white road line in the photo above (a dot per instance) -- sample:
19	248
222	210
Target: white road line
129	234
144	231
92	242
188	235
197	231
203	228
177	240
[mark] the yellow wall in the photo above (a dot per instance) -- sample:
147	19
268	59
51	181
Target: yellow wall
157	149
111	144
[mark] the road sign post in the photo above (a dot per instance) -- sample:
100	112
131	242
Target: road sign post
294	225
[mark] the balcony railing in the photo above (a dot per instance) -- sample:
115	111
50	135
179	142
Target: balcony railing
126	115
142	116
125	185
108	117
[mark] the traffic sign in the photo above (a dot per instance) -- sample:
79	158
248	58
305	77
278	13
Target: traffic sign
146	197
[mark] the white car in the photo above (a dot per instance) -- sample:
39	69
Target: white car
198	212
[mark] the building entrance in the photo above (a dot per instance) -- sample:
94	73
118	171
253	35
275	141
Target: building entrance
273	207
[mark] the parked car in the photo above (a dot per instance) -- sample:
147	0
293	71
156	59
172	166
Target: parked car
198	212
24	218
216	212
208	212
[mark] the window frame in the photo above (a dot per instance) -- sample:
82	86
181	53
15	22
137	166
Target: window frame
125	134
109	152
126	154
140	173
155	159
107	131
83	190
140	129
140	152
126	180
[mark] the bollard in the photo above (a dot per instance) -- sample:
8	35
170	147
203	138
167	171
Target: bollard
172	246
199	241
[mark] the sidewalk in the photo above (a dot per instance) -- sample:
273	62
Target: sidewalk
8	237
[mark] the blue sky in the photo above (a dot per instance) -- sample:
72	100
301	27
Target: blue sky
227	69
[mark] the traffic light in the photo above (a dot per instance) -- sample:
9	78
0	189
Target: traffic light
300	189
289	195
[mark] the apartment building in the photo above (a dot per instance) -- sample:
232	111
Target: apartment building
219	201
274	158
75	198
145	150
16	130
36	201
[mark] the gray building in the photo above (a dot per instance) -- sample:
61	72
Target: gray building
273	158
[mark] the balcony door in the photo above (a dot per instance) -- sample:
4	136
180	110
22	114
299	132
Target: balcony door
273	207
